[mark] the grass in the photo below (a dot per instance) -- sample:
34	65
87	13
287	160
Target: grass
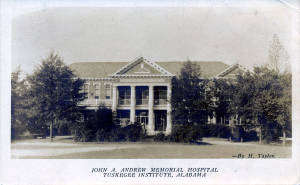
67	149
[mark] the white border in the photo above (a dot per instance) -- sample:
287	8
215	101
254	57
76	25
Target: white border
232	171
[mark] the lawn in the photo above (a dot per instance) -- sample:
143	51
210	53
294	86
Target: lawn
67	149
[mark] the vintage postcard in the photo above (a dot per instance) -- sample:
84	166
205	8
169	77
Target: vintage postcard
147	92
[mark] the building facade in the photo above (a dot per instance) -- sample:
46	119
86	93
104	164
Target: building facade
139	91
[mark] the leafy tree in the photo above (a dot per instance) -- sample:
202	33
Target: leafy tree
284	117
260	99
223	95
55	92
18	111
190	102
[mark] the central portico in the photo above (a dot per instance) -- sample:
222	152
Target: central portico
141	92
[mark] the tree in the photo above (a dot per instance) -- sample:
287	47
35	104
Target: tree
18	111
222	90
278	56
55	93
261	101
284	117
190	102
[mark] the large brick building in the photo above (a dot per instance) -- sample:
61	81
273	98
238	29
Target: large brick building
140	91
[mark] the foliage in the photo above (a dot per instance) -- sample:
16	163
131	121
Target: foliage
250	136
190	102
100	135
186	133
55	92
215	130
160	137
18	109
134	132
86	135
263	98
100	126
222	90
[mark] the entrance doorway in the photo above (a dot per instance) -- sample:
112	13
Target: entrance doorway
142	117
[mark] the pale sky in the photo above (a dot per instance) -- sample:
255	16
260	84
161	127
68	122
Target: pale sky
229	31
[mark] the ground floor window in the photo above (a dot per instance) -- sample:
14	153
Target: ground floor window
142	117
160	120
123	117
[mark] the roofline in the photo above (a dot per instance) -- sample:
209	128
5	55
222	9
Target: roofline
153	64
230	67
178	61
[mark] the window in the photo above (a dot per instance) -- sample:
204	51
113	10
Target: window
124	95
97	91
107	91
160	95
86	90
142	95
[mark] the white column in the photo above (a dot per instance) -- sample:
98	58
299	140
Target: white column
150	129
214	120
132	104
114	99
169	111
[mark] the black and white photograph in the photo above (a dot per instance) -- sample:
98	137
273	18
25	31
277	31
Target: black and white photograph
150	80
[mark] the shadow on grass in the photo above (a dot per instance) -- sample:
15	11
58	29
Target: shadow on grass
201	143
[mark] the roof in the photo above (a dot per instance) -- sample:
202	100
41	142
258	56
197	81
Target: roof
104	69
232	71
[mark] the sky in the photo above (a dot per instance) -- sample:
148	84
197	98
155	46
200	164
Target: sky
227	31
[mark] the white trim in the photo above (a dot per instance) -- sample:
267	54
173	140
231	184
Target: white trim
141	76
141	59
95	79
231	68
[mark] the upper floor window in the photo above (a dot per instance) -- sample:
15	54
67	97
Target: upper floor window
124	95
107	86
107	91
160	95
160	92
142	95
86	90
97	91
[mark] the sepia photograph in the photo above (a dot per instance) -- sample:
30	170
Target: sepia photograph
145	80
151	83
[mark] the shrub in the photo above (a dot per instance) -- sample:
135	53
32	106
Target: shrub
134	132
250	136
100	135
271	131
117	135
220	131
186	133
86	135
160	137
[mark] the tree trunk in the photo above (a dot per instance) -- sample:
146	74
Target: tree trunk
51	131
284	137
260	134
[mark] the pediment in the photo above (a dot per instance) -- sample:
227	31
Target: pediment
232	71
142	67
